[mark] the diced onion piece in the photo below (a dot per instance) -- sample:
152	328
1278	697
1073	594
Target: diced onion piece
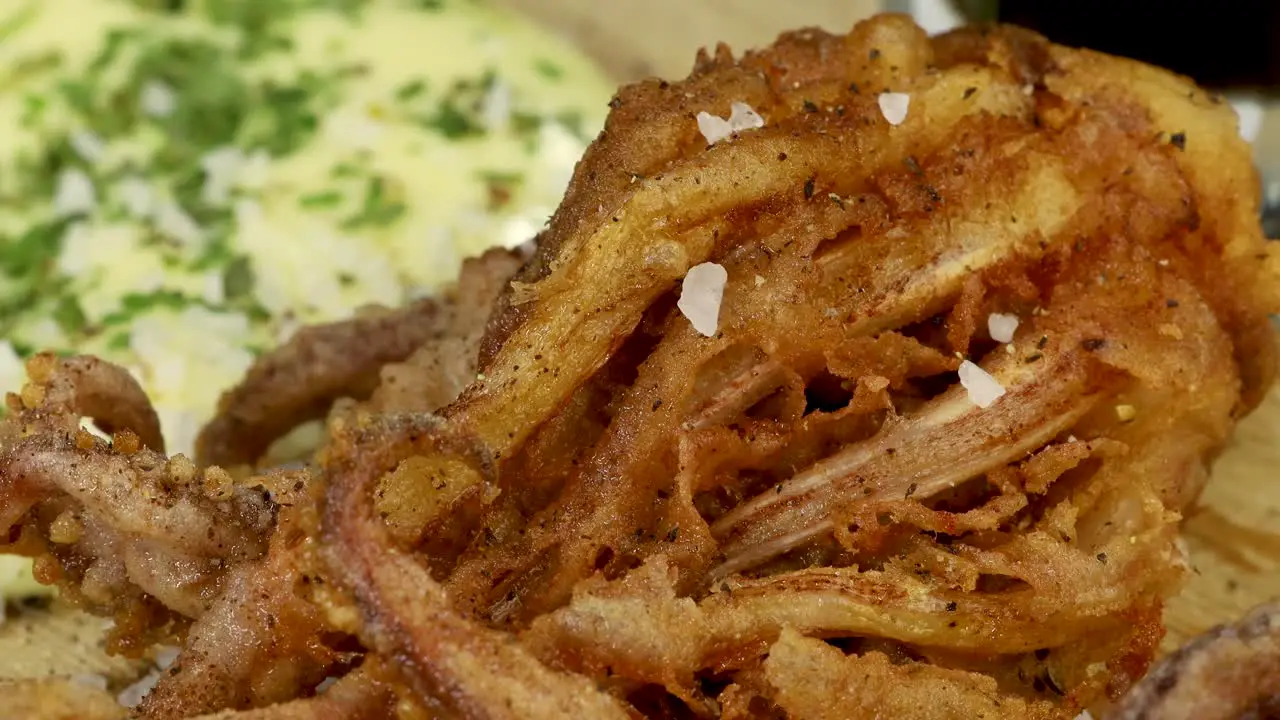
90	680
1001	326
74	194
496	111
89	146
894	106
983	389
158	100
221	168
700	296
136	196
174	222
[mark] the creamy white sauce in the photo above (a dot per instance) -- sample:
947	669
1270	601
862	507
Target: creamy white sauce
428	135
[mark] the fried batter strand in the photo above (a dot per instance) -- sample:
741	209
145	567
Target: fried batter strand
458	667
849	500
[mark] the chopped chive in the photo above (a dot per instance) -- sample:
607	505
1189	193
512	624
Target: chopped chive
548	69
453	123
237	278
325	199
69	315
411	89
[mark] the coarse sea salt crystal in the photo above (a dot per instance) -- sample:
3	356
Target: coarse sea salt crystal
741	117
1001	326
132	695
893	106
167	655
88	425
700	296
983	389
74	194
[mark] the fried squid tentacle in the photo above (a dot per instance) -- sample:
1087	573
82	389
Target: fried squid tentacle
263	640
455	666
122	529
60	392
301	379
1233	671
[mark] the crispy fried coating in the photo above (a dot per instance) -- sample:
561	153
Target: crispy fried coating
263	641
457	667
1065	187
360	695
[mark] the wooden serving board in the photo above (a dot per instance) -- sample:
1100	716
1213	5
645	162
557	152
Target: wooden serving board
1234	533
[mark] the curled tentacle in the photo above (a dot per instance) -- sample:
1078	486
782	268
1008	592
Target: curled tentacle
300	380
455	665
1232	671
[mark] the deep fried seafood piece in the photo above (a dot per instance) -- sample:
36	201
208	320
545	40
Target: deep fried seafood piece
60	392
301	379
811	680
987	185
263	640
1233	671
852	484
360	695
1109	206
439	370
124	531
455	666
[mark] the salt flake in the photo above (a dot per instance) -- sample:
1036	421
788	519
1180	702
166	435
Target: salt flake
741	118
700	296
983	389
1001	326
894	106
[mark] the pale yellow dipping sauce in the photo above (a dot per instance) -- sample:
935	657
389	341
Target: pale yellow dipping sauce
181	189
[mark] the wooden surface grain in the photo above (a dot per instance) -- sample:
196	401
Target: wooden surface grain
1233	534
